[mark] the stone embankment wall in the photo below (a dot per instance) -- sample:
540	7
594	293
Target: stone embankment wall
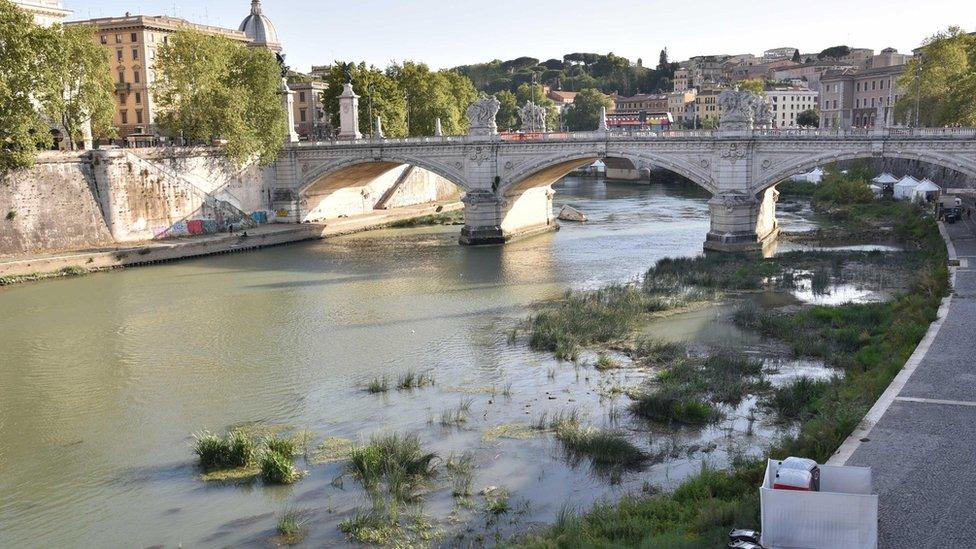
53	206
84	200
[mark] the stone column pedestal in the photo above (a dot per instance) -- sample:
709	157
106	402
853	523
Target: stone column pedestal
492	220
349	114
741	222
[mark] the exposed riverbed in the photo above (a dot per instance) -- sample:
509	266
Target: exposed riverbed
105	377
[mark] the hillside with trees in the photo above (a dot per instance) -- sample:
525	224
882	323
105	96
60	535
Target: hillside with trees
574	72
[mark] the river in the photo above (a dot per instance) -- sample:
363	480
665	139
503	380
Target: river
105	377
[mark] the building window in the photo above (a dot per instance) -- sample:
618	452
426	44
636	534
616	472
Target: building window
133	37
135	75
135	54
121	77
138	98
118	38
139	117
104	39
301	97
118	55
125	117
303	115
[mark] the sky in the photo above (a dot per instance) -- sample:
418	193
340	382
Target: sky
446	33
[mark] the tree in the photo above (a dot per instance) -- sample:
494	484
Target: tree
24	49
809	118
211	87
941	81
507	117
662	63
584	113
835	52
754	85
429	96
380	95
796	56
82	90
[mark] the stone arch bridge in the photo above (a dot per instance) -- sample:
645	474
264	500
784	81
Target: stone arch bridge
507	179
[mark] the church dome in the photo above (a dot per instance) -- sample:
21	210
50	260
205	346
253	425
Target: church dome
260	29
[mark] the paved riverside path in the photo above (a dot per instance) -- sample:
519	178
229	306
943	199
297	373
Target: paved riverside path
923	449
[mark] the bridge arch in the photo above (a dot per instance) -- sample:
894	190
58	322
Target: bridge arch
359	185
549	170
795	166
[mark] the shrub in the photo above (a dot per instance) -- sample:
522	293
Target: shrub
11	215
277	469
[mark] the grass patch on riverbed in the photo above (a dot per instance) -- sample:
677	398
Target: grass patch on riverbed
609	314
453	217
394	470
870	342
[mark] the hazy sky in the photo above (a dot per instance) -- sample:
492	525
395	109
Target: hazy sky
448	33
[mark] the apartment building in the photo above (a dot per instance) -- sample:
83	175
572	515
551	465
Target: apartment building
132	42
787	104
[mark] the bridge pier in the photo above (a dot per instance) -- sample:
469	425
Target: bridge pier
490	219
742	222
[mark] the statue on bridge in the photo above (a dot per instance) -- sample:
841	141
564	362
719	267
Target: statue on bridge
481	116
533	118
764	113
739	109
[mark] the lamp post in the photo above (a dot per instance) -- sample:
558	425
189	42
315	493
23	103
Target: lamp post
918	85
369	98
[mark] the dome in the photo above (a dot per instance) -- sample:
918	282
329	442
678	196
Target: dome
260	29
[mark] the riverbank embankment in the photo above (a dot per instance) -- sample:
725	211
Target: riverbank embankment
25	268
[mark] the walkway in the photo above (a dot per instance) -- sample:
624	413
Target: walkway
923	448
141	253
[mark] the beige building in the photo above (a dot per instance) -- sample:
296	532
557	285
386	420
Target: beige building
787	104
707	108
131	42
678	105
310	120
652	103
45	12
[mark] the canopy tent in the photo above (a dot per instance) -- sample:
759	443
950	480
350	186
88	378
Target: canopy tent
815	176
905	188
885	179
925	191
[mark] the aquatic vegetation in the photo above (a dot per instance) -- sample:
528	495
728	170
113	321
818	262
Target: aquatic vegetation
603	447
291	526
332	449
396	464
795	402
669	405
497	501
460	469
378	385
650	352
278	469
604	362
286	447
414	380
871	342
234	450
376	527
514	431
457	415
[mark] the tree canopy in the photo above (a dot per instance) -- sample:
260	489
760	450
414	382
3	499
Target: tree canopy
584	113
507	117
408	97
809	118
535	94
943	80
210	87
575	72
83	90
53	76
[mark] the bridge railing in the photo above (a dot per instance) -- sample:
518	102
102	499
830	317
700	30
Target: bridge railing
785	133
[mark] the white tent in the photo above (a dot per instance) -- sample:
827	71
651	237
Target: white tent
876	189
905	188
885	179
815	176
925	190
